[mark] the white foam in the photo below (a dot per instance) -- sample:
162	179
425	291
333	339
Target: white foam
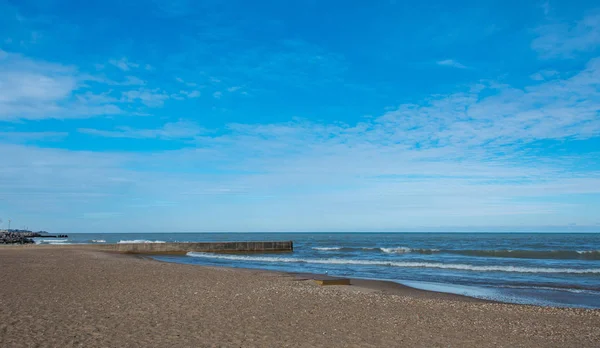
472	291
140	241
327	248
462	267
577	291
98	241
398	250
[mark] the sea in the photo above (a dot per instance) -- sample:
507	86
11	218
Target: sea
546	269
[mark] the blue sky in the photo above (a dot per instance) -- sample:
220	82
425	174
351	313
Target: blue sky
300	116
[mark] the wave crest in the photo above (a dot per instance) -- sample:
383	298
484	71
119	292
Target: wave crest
533	254
463	267
503	253
139	241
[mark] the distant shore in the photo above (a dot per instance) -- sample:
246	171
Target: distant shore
63	297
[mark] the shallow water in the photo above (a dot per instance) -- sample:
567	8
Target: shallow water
534	268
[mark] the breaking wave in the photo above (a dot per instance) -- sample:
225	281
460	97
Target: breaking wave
53	240
534	254
462	267
140	241
506	253
402	250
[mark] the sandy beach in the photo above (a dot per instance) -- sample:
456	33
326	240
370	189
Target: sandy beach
57	297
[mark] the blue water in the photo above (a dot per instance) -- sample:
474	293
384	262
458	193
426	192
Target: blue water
542	269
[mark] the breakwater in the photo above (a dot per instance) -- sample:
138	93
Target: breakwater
23	236
183	248
14	238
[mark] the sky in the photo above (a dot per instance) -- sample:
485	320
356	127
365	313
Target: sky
151	116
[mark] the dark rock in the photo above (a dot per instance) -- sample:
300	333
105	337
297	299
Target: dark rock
15	238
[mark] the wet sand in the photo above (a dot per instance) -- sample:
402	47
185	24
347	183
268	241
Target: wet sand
58	297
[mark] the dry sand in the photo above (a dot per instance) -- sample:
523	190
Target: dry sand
66	298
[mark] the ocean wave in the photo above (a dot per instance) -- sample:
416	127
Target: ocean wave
391	250
139	241
398	250
462	267
503	253
98	241
533	254
553	288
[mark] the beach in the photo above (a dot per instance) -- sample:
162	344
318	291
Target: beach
59	297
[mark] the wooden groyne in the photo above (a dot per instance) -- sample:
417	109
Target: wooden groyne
182	248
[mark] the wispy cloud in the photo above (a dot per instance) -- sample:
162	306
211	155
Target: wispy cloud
16	137
546	7
564	40
187	83
172	130
544	75
123	64
458	156
132	80
451	63
32	89
36	89
478	154
190	94
149	97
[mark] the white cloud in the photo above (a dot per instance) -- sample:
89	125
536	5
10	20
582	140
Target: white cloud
149	97
233	89
34	89
173	130
23	137
217	95
451	63
132	80
446	161
564	40
544	75
124	64
546	7
190	94
31	89
189	84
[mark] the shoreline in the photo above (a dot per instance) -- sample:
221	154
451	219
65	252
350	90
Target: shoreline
388	284
382	286
65	297
368	284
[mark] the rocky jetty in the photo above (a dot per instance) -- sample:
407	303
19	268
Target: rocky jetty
15	238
